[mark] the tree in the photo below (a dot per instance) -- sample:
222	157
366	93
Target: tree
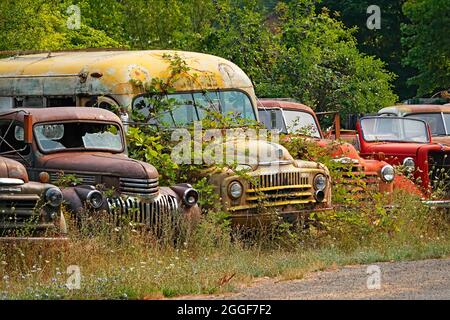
42	25
384	43
320	65
427	39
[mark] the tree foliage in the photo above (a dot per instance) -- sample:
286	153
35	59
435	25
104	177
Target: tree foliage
42	25
428	42
288	48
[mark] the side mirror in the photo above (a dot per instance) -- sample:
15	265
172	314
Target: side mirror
28	128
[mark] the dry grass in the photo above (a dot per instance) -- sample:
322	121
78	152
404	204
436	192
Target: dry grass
124	263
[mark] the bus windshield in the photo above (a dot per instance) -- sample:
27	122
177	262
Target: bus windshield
182	109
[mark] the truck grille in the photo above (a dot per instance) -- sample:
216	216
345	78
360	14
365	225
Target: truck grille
280	187
18	213
439	170
150	213
83	178
139	187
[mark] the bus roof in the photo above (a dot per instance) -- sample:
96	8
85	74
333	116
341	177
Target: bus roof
405	109
112	72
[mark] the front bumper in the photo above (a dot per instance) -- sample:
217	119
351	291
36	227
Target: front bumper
257	219
62	239
437	203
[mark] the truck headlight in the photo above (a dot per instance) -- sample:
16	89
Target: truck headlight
95	199
235	189
409	164
388	173
54	197
190	197
320	182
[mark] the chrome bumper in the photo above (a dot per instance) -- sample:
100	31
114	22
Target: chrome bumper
437	203
143	211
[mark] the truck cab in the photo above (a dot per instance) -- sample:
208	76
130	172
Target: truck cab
407	143
88	145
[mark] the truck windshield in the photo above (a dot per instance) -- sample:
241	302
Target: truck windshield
394	130
301	123
52	137
439	122
181	109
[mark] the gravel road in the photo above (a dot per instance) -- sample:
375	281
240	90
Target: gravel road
427	279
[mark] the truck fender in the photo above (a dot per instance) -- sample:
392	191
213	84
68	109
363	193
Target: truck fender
403	183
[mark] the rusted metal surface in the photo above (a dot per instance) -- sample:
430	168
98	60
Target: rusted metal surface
12	169
63	114
134	184
112	73
23	207
405	109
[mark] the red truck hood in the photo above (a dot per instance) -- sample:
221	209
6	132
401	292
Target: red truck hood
395	149
98	163
338	149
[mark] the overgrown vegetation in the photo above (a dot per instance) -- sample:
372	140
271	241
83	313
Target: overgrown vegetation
293	50
123	263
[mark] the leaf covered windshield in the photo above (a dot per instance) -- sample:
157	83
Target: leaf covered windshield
182	109
394	130
79	135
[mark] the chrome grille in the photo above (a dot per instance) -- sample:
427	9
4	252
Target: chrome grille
84	178
18	213
150	213
439	170
142	187
280	186
280	179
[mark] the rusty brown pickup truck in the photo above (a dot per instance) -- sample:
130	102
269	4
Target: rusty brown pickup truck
88	145
28	210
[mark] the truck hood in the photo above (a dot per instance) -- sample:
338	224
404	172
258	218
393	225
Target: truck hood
99	163
253	151
338	149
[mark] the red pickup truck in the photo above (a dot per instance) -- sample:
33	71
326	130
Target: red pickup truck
407	142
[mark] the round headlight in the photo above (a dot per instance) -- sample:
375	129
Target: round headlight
95	199
54	197
235	189
320	182
388	173
409	164
190	197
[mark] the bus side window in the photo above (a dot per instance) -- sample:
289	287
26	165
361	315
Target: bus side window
273	119
61	102
29	102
